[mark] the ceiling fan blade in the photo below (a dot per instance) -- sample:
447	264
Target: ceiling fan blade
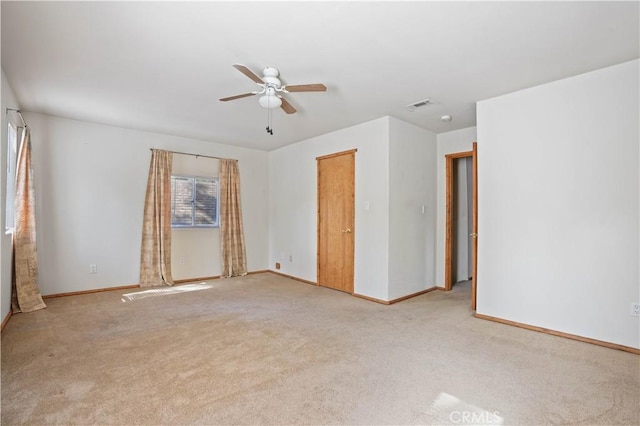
231	98
246	71
287	107
306	88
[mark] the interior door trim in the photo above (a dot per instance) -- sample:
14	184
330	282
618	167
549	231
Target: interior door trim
448	241
337	154
448	252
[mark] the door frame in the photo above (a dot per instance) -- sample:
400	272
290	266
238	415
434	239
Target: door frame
448	244
353	218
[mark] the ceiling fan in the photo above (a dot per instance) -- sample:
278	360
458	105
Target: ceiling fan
271	89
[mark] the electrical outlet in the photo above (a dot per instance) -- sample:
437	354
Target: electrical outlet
277	265
290	258
93	268
182	260
635	309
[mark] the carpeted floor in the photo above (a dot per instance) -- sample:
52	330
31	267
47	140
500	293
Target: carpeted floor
264	349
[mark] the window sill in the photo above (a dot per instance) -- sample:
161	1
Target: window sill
195	228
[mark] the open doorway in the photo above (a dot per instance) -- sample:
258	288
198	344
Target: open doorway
462	223
461	220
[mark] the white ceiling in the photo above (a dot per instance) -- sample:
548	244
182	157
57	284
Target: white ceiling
162	66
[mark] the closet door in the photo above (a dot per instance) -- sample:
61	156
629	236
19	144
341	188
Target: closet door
336	216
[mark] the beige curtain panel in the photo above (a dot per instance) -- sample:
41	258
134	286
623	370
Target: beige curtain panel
234	258
25	295
155	257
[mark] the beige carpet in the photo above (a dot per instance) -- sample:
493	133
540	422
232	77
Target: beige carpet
263	349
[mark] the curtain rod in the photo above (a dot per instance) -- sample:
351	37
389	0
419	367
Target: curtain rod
197	155
19	113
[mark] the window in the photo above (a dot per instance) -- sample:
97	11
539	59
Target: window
194	202
12	152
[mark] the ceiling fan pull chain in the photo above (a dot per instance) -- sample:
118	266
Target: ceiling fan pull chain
269	128
270	122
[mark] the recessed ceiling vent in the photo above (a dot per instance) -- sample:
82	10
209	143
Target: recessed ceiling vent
420	104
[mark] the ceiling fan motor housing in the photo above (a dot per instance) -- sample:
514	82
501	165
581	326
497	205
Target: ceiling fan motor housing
271	77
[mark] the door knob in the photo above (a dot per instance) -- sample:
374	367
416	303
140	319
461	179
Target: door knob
346	231
474	235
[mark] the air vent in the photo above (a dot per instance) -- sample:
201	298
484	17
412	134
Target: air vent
420	104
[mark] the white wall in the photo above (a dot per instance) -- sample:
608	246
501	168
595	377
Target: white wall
8	101
412	184
448	143
395	176
293	204
90	182
559	205
195	252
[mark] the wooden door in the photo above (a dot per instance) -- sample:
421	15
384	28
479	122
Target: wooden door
336	217
474	234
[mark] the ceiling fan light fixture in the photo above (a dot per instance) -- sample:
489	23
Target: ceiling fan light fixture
270	101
